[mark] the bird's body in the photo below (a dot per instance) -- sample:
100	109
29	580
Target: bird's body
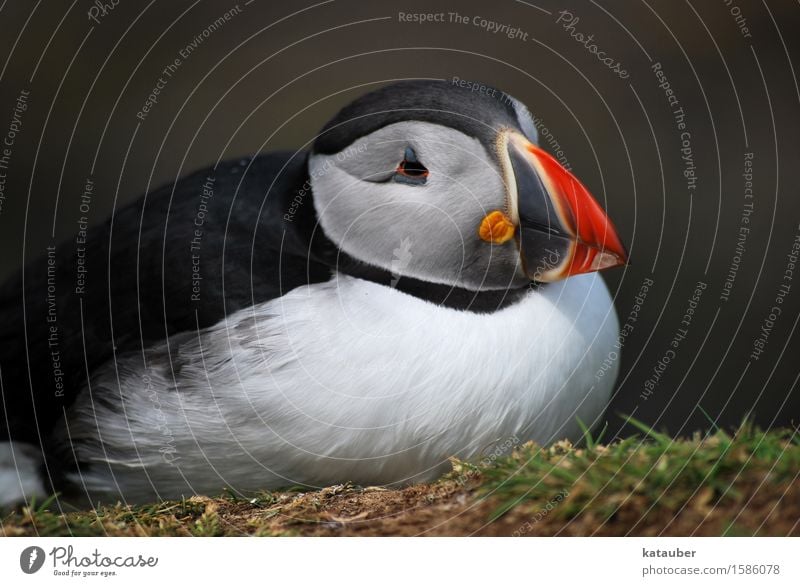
260	400
315	318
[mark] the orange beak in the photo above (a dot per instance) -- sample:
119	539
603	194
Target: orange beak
562	230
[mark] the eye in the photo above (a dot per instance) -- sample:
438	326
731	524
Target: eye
410	170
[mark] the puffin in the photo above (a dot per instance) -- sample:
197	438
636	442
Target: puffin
420	284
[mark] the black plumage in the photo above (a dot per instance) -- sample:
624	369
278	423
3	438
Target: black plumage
476	114
140	280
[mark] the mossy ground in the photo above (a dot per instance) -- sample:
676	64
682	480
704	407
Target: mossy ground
744	483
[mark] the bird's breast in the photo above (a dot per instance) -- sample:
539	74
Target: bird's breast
351	380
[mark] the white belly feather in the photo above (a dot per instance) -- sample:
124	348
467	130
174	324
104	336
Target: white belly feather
343	381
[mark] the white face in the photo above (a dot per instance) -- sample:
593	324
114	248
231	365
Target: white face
421	223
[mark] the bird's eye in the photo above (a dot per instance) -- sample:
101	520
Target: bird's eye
410	170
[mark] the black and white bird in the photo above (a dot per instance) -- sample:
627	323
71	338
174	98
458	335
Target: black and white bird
418	285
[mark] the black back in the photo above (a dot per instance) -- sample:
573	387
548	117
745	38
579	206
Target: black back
140	279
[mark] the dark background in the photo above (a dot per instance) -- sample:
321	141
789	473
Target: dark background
269	79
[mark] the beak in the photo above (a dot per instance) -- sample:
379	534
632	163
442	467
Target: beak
563	231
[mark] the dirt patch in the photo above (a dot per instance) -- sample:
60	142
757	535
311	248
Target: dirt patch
447	509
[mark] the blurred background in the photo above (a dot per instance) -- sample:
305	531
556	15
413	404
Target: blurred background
670	166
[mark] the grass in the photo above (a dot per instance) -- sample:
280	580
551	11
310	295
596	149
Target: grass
656	474
744	483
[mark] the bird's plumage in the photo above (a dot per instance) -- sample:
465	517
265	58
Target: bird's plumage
475	114
307	317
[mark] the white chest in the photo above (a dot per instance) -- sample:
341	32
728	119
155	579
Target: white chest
347	380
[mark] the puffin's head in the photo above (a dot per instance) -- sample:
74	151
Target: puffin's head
430	180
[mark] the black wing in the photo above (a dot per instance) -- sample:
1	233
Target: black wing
184	256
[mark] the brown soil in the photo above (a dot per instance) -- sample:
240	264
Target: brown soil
447	509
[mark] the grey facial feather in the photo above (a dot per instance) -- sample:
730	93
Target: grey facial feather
369	215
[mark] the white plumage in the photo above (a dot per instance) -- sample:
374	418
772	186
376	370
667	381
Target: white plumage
345	380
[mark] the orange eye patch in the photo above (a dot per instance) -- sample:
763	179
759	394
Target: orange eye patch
496	228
